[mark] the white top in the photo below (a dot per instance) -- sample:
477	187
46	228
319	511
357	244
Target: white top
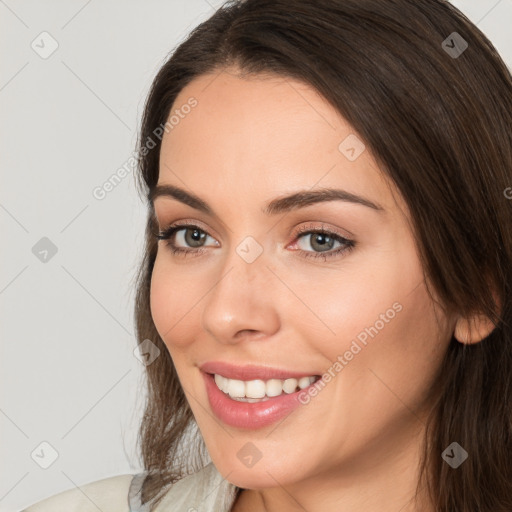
204	491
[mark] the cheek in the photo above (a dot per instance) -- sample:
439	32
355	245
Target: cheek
172	303
392	341
378	315
366	294
394	372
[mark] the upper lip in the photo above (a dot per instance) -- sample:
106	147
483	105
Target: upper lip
250	371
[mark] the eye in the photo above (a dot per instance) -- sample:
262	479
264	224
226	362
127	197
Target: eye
189	239
190	236
323	242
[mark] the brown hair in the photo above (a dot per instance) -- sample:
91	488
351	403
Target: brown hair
439	125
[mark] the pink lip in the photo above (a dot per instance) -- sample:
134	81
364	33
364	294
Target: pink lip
248	415
250	372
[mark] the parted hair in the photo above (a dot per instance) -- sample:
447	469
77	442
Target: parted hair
439	123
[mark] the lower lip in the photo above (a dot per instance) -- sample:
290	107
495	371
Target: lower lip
249	415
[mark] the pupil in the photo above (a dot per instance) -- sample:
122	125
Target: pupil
325	241
194	236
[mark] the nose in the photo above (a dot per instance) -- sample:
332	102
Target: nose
241	304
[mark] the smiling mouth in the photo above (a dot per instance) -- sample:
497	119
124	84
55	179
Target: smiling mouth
261	390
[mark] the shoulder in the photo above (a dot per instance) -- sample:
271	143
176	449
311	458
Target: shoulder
107	494
204	490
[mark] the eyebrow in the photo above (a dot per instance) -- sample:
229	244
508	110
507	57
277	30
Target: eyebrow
288	203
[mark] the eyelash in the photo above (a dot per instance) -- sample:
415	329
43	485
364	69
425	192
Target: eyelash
347	246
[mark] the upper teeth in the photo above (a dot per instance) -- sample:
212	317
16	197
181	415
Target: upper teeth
260	388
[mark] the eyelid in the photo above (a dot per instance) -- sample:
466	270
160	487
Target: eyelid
347	243
321	226
187	223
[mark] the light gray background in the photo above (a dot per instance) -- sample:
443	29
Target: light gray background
68	122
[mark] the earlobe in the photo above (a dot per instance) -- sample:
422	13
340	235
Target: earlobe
473	329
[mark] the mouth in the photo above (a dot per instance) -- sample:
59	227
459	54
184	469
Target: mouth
259	390
251	397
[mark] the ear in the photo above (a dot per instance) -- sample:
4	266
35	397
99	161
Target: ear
473	329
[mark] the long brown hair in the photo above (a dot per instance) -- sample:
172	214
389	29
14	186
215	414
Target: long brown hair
437	117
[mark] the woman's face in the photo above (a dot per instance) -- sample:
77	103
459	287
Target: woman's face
258	292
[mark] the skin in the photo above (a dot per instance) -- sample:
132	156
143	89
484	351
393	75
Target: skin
356	445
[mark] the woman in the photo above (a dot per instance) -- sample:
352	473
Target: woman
328	265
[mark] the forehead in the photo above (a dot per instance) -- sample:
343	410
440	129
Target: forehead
263	133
